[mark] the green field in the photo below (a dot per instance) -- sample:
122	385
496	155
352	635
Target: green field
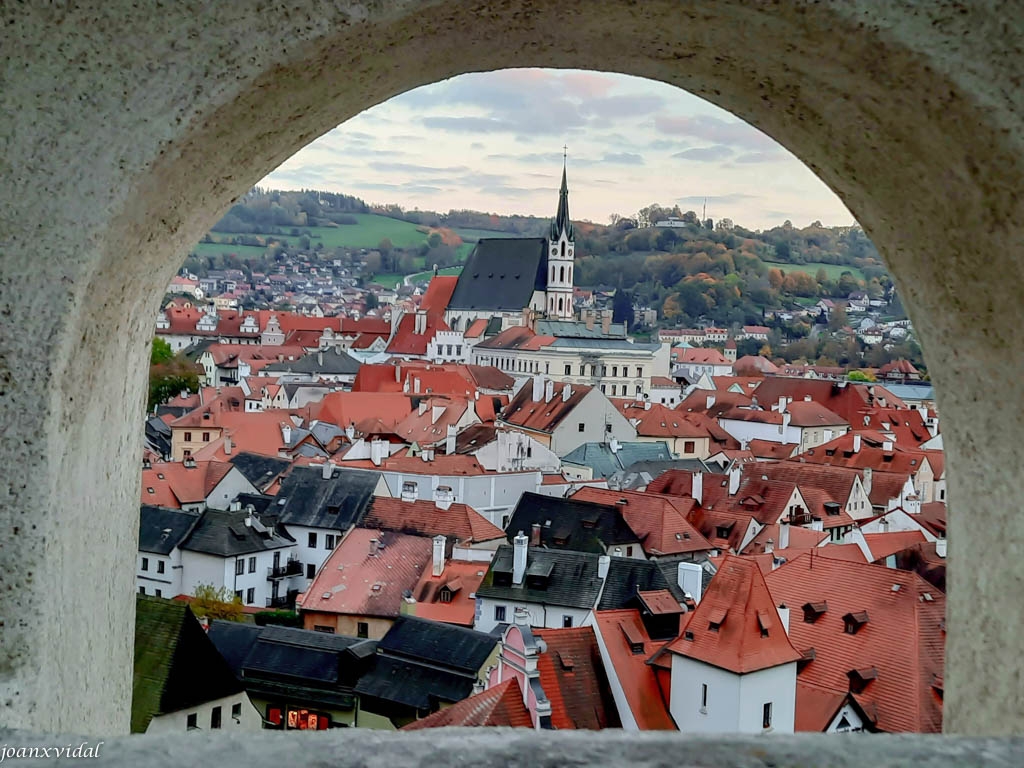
427	273
811	268
472	235
387	280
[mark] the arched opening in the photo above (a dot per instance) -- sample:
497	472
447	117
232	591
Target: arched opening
561	304
563	249
156	175
561	274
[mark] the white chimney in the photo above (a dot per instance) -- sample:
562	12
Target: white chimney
940	548
320	357
549	390
444	497
784	616
286	433
227	445
613	445
784	534
769	546
519	547
438	562
647	405
786	416
538	389
350	432
409	491
566	392
416	385
887	446
603	564
421	323
690	577
378	450
856	443
781	408
734	480
327	471
710	401
374	547
697	487
449	440
521	616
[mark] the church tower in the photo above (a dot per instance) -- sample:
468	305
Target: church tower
560	260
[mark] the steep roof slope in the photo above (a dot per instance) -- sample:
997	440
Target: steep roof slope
500	706
573	677
501	275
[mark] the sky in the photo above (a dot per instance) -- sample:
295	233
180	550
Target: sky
494	142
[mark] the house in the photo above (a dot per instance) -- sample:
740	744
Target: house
899	371
610	460
806	423
441	516
498	707
687	435
577	526
733	667
872	643
161	532
562	416
297	679
691	362
180	682
504	450
447	591
420	667
360	588
332	365
665	391
193	485
758	332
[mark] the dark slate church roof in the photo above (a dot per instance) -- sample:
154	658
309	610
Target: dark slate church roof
501	274
162	529
307	499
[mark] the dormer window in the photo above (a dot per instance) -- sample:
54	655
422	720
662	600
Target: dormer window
859	678
722	531
716	618
854	622
764	621
814	611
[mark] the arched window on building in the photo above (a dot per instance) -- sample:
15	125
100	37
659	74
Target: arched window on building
560	304
561	274
563	248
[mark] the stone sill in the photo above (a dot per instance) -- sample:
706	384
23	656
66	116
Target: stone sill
477	747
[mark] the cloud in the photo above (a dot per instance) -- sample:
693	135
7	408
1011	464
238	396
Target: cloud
625	106
387	167
623	158
466	124
705	154
735	197
762	157
734	133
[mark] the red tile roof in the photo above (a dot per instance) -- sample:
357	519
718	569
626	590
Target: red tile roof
424	518
872	453
354	582
573	677
345	408
462	579
701	355
846	399
500	706
903	639
173	484
884	544
621	632
543	416
441	464
439	293
736	626
661	421
407	342
766	449
660	522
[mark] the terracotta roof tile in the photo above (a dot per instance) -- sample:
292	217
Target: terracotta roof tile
573	677
461	579
500	706
541	416
660	522
424	518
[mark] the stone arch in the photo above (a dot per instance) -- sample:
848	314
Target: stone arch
867	96
561	274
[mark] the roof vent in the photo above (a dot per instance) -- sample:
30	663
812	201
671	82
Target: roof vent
895	587
325	596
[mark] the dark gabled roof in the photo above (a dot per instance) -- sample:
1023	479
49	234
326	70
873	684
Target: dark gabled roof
298	654
225	534
437	643
158	436
162	529
573	581
501	275
580	526
413	685
605	462
234	640
259	470
176	666
329	362
260	503
307	499
626	577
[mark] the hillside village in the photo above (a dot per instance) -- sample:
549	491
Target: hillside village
487	502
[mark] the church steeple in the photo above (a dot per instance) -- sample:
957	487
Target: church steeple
562	223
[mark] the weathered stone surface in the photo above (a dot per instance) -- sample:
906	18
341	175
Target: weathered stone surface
128	128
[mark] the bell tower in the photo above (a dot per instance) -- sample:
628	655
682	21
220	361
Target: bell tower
561	248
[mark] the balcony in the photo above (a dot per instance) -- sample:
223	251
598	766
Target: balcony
291	568
286	601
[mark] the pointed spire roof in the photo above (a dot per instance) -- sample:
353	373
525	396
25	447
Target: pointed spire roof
561	222
736	625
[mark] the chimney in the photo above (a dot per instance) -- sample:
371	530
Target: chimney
350	432
710	402
378	451
538	389
940	548
374	547
887	446
227	445
327	471
784	616
286	433
519	547
606	322
566	392
416	385
697	487
856	443
734	480
613	445
409	491
603	564
590	320
449	440
690	577
320	357
784	534
786	416
421	322
444	497
866	480
521	617
549	390
769	546
817	525
535	535
782	404
438	563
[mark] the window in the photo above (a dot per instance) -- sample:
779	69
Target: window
704	696
310	570
215	717
252	565
321	628
639	372
581	426
602	389
614	388
629	551
160	566
142	590
145	563
568	369
236	711
362	629
608	428
159	593
639	389
689	446
766	715
547	367
312	541
192	721
239	566
188	437
583	369
499	613
250	595
458	350
566	622
206	437
329	541
615	371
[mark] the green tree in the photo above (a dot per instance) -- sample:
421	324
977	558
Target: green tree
622	307
215	603
161	352
435	239
838	318
859	376
168	378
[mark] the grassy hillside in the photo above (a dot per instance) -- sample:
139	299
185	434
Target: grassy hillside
472	235
811	268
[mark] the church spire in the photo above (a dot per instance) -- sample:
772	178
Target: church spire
561	223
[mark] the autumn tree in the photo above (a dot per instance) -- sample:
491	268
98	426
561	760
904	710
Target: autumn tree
670	310
213	602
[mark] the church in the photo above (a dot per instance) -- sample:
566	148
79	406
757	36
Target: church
504	276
